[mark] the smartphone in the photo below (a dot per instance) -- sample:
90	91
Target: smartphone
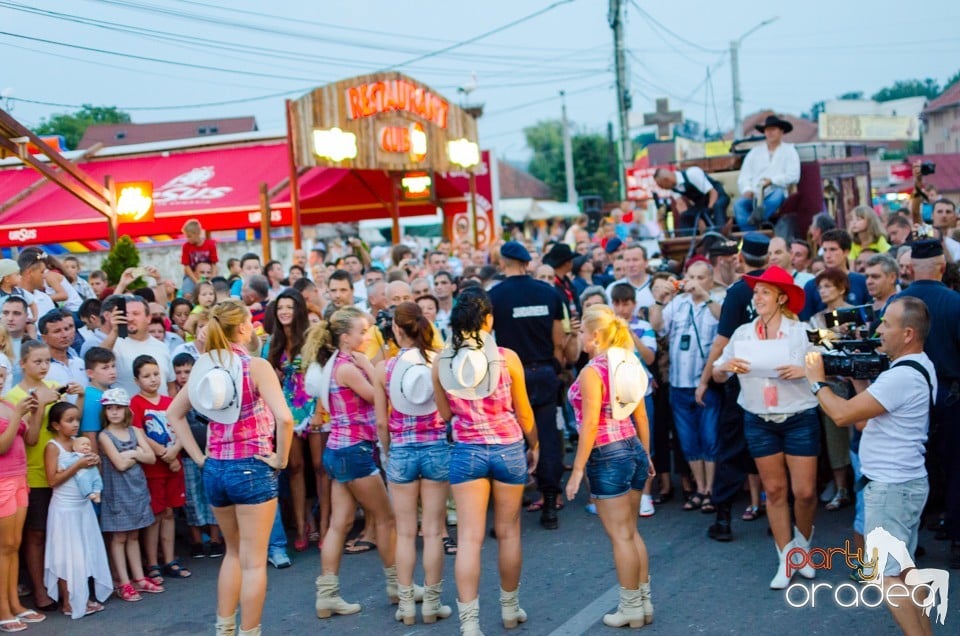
122	331
63	389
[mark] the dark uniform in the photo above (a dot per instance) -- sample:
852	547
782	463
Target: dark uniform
524	310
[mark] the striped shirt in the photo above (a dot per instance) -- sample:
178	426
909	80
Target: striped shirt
352	419
412	429
252	433
490	420
683	319
609	429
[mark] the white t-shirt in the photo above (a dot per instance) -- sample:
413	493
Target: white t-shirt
642	293
127	350
953	247
892	446
44	303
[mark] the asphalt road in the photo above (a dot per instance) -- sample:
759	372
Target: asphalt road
568	583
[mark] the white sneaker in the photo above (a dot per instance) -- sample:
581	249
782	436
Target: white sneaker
591	508
646	506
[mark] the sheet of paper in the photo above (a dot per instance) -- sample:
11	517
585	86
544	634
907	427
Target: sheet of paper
764	356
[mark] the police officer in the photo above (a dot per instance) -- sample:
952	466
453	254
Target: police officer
734	462
928	263
528	318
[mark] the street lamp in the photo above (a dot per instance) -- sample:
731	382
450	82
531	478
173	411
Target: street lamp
735	69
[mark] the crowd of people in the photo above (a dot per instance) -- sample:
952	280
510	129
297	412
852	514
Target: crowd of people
407	392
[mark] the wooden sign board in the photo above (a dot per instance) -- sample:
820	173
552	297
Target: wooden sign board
396	123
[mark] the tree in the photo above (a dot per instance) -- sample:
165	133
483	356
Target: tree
901	89
815	110
953	80
73	125
122	255
591	165
851	95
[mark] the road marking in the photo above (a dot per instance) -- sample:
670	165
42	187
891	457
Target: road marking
583	620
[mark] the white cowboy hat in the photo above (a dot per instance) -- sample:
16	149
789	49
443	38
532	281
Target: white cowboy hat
411	385
628	381
216	385
316	381
473	371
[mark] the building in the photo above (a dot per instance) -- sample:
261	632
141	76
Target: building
131	133
942	116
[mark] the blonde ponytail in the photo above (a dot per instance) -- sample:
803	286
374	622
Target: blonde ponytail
610	330
323	338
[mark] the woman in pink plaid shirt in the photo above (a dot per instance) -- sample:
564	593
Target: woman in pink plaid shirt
349	454
414	439
613	452
481	388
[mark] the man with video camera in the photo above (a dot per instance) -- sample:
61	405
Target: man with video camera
896	408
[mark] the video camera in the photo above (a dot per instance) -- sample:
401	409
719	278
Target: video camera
851	358
384	321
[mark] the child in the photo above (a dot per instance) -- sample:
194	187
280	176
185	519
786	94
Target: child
101	365
180	309
88	479
126	497
74	547
196	250
99	283
164	477
199	513
157	328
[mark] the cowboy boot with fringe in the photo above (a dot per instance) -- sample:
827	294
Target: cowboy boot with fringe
226	625
431	608
470	618
629	611
647	603
328	597
510	610
407	610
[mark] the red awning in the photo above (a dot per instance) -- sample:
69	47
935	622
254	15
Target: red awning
220	187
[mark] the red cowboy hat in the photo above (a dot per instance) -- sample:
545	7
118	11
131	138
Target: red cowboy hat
782	280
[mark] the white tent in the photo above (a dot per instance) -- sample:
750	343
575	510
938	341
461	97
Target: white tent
520	210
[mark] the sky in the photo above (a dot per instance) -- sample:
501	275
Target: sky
157	58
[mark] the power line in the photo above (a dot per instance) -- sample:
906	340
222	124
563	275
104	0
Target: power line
544	100
652	19
226	102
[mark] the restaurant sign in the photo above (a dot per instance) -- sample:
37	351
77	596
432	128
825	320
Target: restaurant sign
385	121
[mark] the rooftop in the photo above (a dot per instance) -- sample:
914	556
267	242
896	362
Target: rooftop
949	97
131	133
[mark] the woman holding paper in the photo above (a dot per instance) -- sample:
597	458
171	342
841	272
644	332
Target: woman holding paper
780	420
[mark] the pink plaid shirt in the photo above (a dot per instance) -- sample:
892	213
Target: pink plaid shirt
352	419
609	430
490	420
252	433
412	429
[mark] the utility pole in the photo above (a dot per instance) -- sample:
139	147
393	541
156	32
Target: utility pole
735	73
625	156
567	152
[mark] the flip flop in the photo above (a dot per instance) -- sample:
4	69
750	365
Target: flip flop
359	547
12	625
449	546
31	616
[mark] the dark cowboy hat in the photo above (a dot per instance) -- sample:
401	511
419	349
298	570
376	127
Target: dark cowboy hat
558	255
776	122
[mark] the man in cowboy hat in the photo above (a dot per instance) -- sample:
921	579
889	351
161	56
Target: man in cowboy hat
768	171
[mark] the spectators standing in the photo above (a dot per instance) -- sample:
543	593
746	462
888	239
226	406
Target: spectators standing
196	250
101	370
800	260
15	315
66	367
137	343
635	261
836	254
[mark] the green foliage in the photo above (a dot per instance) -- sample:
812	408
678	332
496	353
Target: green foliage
928	88
953	80
815	110
594	163
851	95
73	125
122	255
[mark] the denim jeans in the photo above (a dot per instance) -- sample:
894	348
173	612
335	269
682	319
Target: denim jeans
696	425
278	536
743	207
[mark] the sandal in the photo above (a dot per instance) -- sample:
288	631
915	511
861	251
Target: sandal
752	513
176	571
359	547
12	625
663	497
707	507
127	593
536	506
693	502
301	543
30	616
146	585
153	573
840	500
449	546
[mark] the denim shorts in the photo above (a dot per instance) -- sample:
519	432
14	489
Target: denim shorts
617	468
506	463
897	509
799	435
230	482
411	462
349	463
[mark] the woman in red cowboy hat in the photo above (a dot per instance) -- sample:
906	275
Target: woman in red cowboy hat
780	420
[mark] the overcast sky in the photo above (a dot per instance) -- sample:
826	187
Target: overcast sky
816	50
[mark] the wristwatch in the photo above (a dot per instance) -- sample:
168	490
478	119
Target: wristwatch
816	386
708	301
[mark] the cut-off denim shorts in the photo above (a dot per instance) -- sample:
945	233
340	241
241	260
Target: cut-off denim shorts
798	435
506	463
351	462
897	509
411	462
617	468
230	482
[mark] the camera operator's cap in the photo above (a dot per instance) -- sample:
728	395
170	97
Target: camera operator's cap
558	255
612	245
316	381
926	248
782	280
755	244
515	251
8	266
215	386
628	381
471	372
116	397
411	385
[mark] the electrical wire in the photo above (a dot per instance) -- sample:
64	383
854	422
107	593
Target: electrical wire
226	102
663	27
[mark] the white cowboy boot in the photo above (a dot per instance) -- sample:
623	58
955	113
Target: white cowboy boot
800	541
629	611
510	610
470	618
